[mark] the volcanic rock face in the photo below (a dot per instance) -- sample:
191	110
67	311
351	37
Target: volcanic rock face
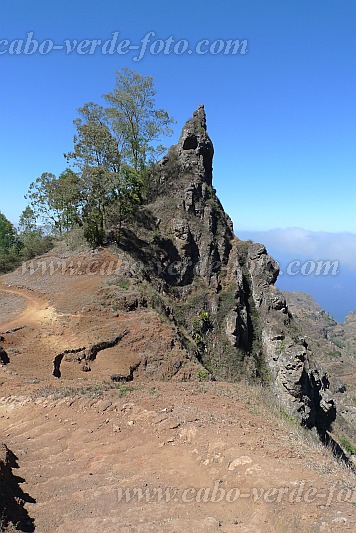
188	208
350	333
221	291
331	345
298	383
195	147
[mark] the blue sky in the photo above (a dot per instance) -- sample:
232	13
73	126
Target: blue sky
282	117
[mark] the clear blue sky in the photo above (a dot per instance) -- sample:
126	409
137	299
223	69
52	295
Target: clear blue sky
282	117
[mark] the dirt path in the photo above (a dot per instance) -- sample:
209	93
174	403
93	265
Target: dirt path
36	310
40	331
78	454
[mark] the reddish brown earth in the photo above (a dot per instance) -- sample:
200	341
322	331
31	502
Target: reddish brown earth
80	440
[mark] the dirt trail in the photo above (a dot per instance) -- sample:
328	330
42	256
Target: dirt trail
42	325
36	310
79	455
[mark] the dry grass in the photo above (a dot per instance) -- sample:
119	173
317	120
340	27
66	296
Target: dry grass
260	401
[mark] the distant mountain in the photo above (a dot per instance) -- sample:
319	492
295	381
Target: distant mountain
321	326
350	333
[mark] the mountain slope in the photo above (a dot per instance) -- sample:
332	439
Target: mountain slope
140	365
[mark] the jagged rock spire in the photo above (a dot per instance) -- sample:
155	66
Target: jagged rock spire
195	148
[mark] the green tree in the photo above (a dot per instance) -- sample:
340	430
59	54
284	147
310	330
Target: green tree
94	142
56	201
9	245
113	147
97	190
8	235
28	220
69	199
134	118
33	239
127	195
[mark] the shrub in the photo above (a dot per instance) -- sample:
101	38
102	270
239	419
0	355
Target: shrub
347	445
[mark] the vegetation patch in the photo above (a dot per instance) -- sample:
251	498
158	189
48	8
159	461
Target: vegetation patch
346	444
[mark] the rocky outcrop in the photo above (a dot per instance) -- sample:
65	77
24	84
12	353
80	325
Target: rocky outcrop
85	355
4	358
298	382
221	293
13	515
327	341
350	334
193	228
124	378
